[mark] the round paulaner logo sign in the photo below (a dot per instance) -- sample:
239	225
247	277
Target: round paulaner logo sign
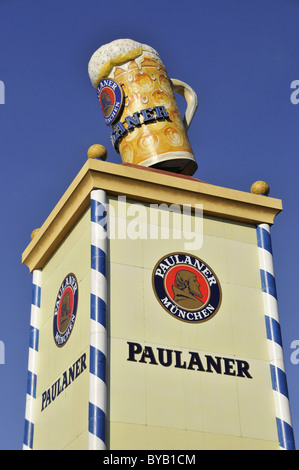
110	95
65	310
186	287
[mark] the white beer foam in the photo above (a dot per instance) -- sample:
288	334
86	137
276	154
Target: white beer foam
111	51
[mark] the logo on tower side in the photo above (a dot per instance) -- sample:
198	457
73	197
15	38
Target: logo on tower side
186	287
110	95
65	310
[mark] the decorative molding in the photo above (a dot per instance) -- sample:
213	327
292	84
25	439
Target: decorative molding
146	185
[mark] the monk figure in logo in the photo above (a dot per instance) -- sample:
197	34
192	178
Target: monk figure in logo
106	103
186	290
65	313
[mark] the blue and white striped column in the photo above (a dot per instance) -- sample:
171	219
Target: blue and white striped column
32	361
98	333
277	367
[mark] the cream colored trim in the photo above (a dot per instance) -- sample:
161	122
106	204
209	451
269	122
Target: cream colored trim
147	185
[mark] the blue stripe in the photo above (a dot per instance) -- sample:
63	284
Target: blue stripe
279	380
98	259
36	292
273	330
264	239
98	309
28	433
268	283
96	424
285	435
98	213
31	383
33	338
97	364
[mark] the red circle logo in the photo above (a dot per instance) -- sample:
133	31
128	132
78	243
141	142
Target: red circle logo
186	287
65	310
198	286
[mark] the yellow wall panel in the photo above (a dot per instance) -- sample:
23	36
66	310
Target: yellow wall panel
64	419
189	403
131	436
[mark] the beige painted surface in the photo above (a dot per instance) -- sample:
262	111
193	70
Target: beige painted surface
63	423
157	407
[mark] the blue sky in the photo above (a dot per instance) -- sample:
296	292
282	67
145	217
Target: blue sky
239	56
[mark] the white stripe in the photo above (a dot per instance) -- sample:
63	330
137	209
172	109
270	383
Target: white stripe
265	227
32	360
270	306
34	317
94	443
26	447
99	236
97	392
37	277
266	261
276	355
98	195
98	336
282	407
98	285
30	402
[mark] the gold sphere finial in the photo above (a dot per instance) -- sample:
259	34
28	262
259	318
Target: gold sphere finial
97	151
34	233
260	187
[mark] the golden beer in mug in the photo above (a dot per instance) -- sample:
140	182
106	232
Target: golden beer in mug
147	127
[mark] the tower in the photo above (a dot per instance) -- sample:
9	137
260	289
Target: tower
154	321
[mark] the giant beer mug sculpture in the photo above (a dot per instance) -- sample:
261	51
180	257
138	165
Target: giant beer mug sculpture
137	100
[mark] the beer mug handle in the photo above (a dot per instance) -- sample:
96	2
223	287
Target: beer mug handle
190	96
